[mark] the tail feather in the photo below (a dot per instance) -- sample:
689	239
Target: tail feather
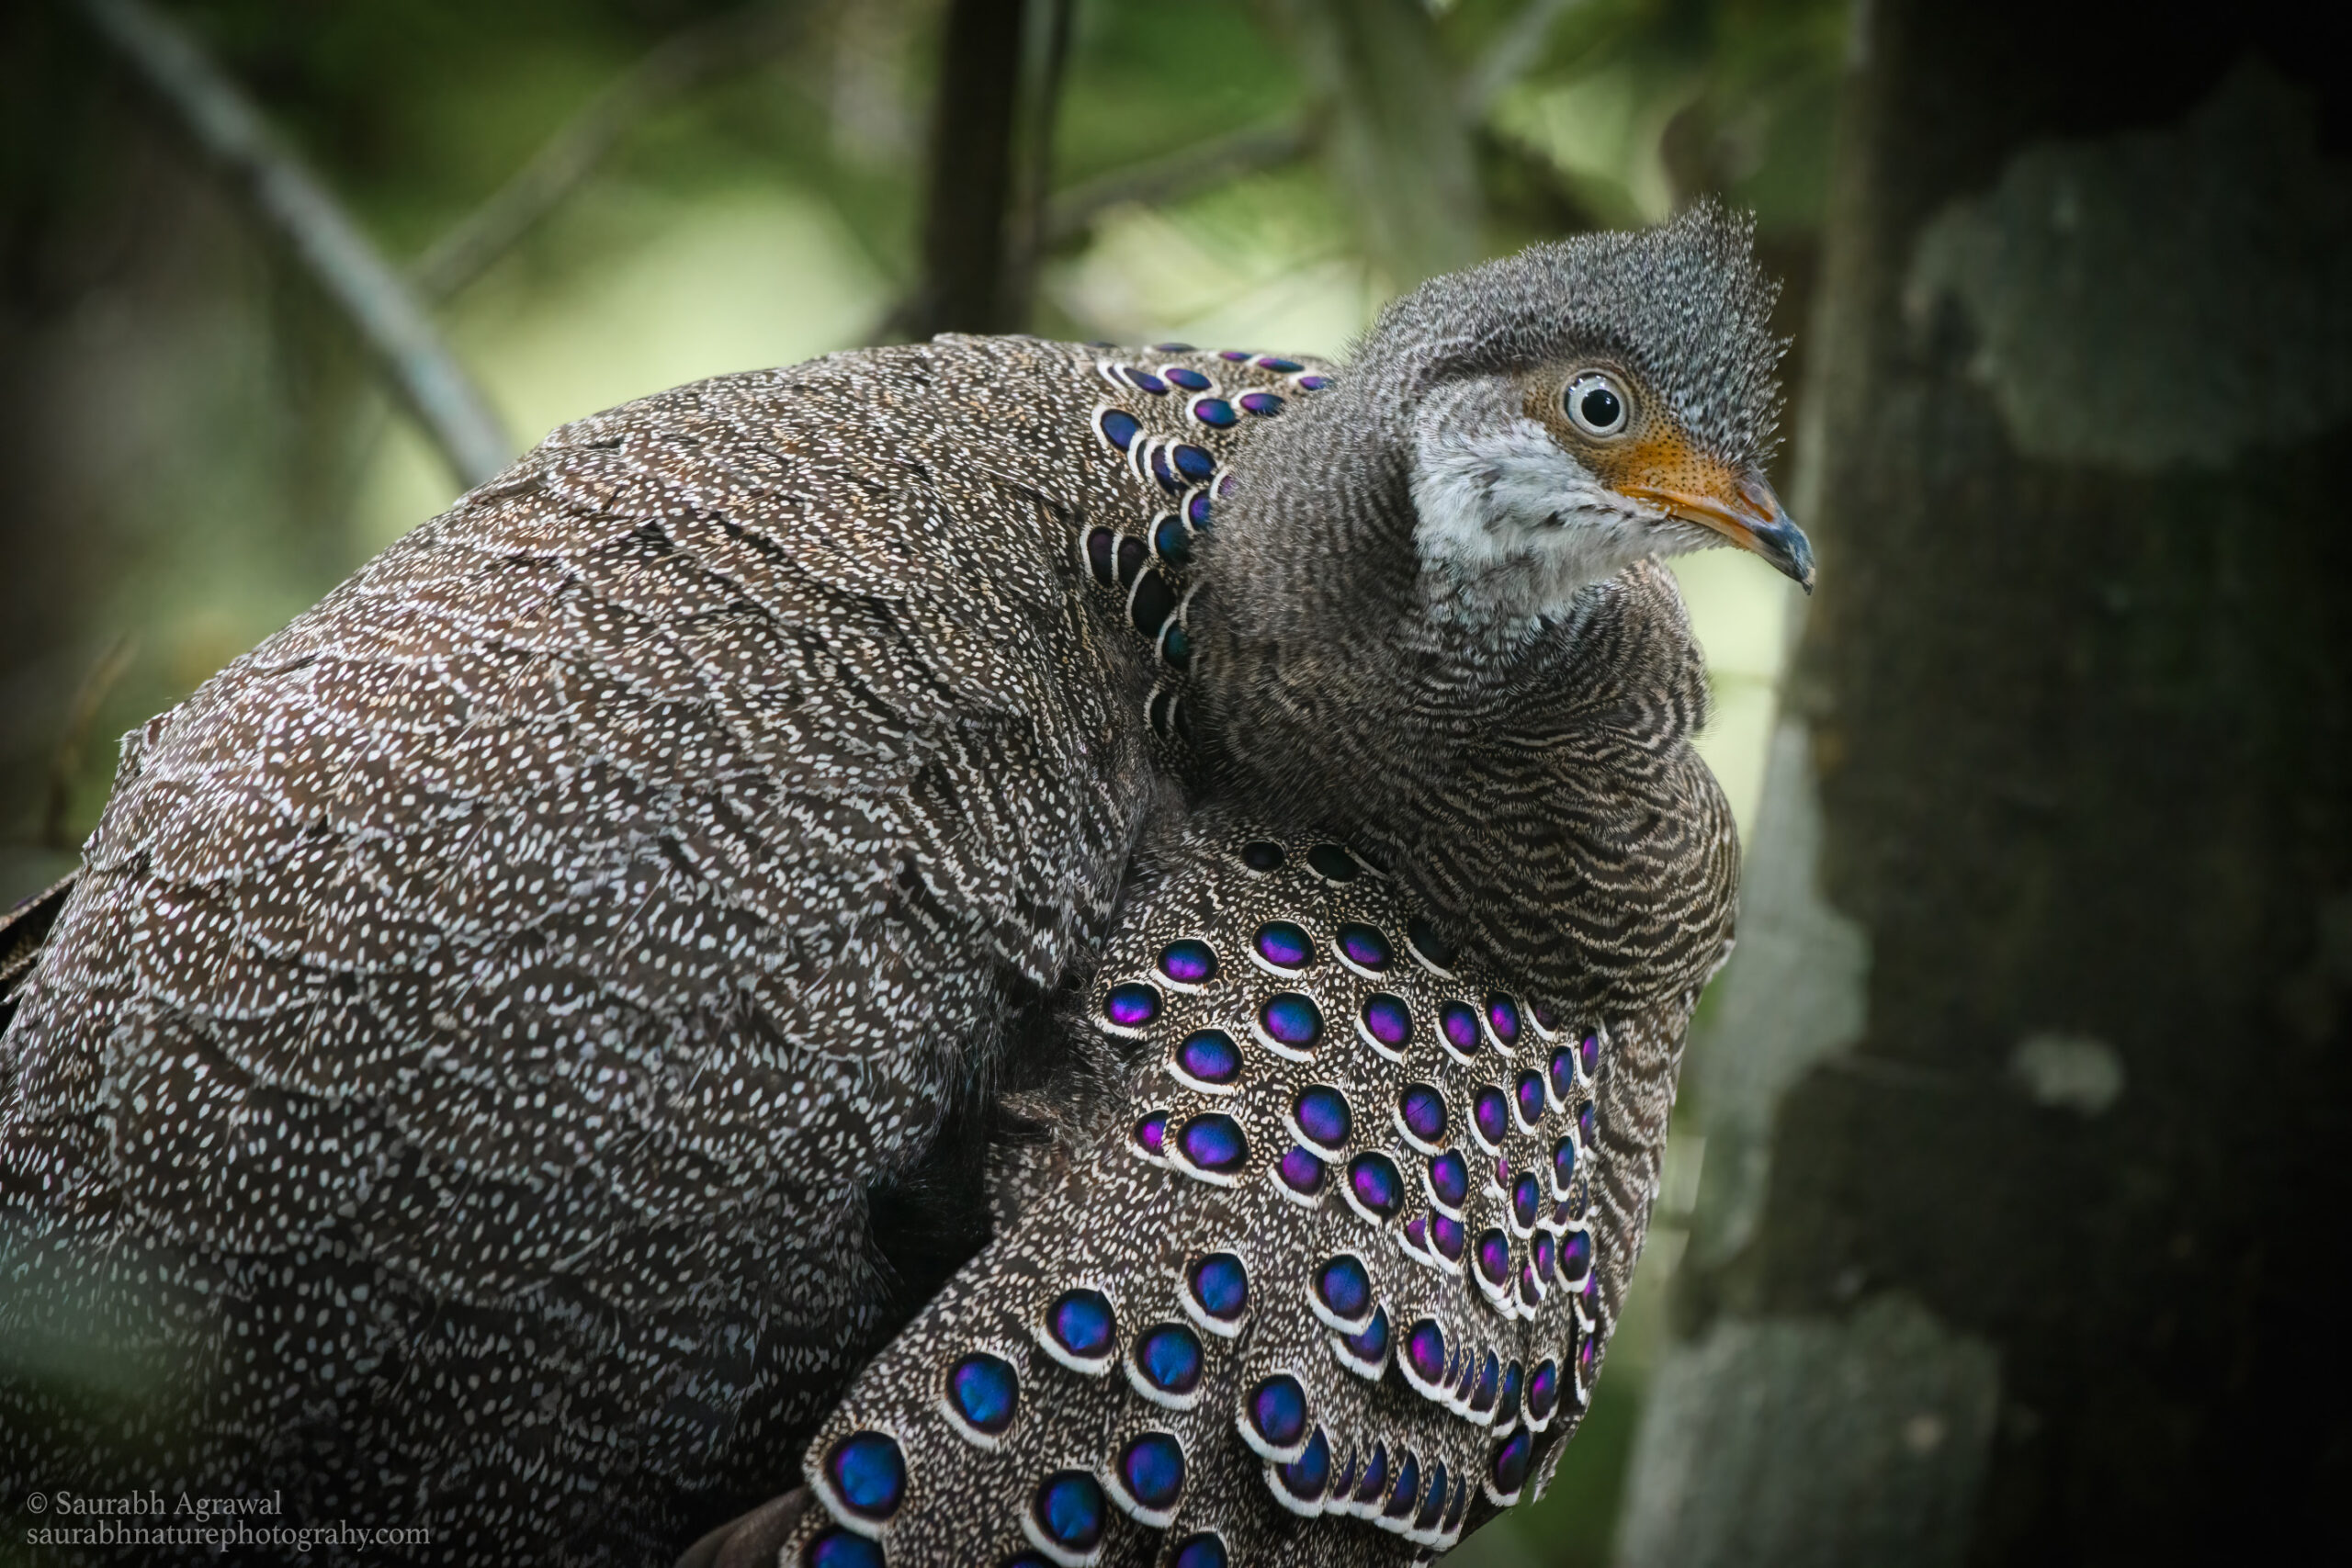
1320	1287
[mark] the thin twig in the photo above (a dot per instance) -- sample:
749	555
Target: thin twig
1037	177
341	259
66	762
1229	156
736	41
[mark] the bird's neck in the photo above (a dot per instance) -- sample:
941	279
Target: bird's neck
1342	666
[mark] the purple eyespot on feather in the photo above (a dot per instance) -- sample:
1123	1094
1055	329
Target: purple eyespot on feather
1239	356
1152	1133
1423	1109
1584	1123
1068	1507
1291	1020
1279	366
1170	1358
1491	1114
1209	1055
1425	1351
1323	1115
1365	947
1226	486
1080	1322
1435	1506
1544	1389
1372	1345
1220	1286
1131	1006
1525	1200
1494	1257
1197	511
1278	1410
1407	1490
1460	1026
1376	1186
840	1549
1375	1475
868	1473
1530	1090
1172	541
1201	1550
1490	1373
1449	1180
1284	945
1214	412
1564	1074
1301	1171
1188	961
1152	1470
1312	383
1119	427
1387	1020
1213	1143
1184	375
1510	1463
1162	472
1265	405
1502	1017
1447	1235
1588	1049
985	1390
1144	380
1575	1256
1344	1287
1309	1477
1547	1257
1197	464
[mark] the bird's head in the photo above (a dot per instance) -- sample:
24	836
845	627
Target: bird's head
1575	408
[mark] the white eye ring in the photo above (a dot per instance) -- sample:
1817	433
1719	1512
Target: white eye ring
1596	404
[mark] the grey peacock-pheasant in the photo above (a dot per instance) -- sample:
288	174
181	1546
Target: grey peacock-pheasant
1046	954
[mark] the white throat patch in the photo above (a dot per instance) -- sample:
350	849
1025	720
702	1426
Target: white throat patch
1520	525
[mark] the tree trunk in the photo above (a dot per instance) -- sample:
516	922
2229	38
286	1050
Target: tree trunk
2028	1097
965	232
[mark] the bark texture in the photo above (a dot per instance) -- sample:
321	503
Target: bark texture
2028	1094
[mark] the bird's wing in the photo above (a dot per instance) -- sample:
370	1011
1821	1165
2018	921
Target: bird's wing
523	963
1326	1280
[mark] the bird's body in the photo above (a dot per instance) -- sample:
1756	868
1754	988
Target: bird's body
525	965
528	1034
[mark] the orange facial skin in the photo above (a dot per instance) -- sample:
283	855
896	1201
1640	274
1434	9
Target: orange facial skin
1656	461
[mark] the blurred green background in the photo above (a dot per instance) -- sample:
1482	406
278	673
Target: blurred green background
198	447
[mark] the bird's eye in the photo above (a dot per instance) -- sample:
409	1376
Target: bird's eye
1595	403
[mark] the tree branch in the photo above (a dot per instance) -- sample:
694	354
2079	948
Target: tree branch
293	202
968	197
1510	56
738	40
1204	164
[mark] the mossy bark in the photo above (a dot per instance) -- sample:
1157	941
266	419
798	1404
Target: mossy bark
2029	1095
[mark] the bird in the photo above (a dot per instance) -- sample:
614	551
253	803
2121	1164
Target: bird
526	1038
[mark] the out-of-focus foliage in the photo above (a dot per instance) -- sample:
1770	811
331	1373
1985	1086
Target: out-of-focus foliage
199	451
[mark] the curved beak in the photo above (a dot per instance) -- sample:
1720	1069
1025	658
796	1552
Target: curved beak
1752	518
